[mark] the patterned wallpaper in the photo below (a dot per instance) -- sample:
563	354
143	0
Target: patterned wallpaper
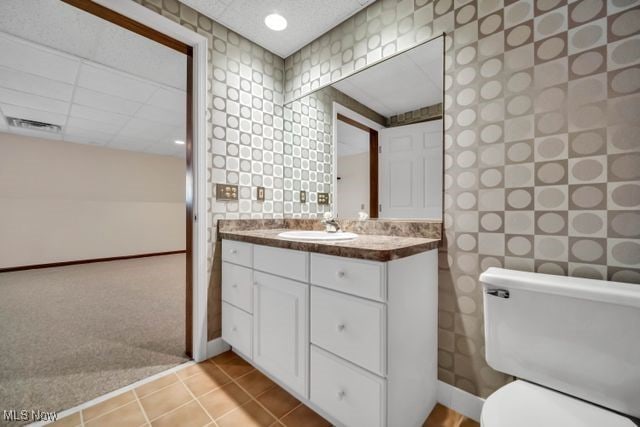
542	144
246	131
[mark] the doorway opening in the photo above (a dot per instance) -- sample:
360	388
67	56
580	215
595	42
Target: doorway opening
357	168
99	110
152	34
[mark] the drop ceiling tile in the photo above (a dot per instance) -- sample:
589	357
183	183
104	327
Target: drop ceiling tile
178	132
102	101
144	129
161	115
84	112
92	125
115	83
169	99
31	83
52	23
23	56
31	114
35	102
144	58
76	132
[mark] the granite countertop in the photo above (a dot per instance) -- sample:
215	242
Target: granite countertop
365	246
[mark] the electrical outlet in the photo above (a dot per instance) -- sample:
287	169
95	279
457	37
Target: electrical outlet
226	192
260	194
303	196
323	198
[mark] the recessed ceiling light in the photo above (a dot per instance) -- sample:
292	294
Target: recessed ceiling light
275	22
179	142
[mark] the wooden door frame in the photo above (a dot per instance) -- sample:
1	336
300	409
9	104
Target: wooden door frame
373	162
345	115
138	19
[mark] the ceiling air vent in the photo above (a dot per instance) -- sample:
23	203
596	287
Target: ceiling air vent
33	125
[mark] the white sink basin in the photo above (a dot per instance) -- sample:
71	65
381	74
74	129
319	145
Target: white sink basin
317	235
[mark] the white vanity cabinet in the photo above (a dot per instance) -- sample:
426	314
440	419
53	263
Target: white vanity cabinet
281	339
353	339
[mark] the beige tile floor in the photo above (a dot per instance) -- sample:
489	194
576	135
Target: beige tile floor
224	391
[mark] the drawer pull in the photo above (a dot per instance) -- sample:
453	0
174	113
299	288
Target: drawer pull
341	274
341	394
235	286
341	327
233	251
234	329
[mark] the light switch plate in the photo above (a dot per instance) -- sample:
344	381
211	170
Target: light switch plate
303	196
260	194
226	192
323	198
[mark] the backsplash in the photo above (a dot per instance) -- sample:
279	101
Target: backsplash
431	229
542	155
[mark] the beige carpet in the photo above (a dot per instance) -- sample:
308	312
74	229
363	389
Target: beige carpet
70	334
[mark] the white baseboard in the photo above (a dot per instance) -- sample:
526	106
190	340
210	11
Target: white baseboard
460	401
216	346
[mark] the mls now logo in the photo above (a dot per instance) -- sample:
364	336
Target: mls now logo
26	415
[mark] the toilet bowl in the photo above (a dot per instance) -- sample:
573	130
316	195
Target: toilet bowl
523	404
573	343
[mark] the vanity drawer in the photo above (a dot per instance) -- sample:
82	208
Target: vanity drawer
237	328
282	262
351	327
348	393
237	252
237	286
353	276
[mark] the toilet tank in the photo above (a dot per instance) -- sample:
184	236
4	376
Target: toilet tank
578	336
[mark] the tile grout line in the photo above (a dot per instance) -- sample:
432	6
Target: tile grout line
107	412
287	413
137	398
254	398
197	401
144	413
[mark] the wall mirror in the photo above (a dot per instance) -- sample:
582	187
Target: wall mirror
381	133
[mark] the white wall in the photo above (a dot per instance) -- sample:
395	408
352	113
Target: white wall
353	185
61	201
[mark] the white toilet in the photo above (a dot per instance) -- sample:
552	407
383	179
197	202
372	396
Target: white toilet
573	343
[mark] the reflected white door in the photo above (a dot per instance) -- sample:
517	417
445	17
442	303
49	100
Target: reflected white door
410	163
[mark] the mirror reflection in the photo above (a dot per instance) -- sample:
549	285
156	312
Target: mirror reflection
382	133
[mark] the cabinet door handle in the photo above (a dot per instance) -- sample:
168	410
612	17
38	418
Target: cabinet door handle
341	327
235	285
341	274
341	394
233	251
234	329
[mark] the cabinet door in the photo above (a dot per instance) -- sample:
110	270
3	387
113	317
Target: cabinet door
281	325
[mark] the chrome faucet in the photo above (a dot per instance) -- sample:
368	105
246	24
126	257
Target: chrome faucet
330	223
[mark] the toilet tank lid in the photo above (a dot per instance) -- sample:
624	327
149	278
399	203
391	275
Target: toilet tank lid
574	287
